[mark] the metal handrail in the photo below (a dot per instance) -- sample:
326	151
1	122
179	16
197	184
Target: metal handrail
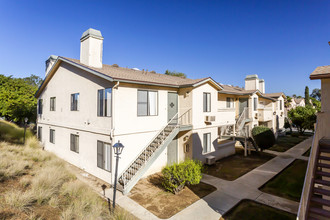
144	149
242	116
186	113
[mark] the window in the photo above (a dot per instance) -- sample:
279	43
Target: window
52	103
230	103
75	102
255	104
206	102
40	106
52	136
104	102
206	142
74	143
280	104
39	133
103	155
147	103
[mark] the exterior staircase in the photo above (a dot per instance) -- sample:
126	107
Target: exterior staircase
318	206
133	173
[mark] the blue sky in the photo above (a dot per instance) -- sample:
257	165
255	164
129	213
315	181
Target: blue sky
281	41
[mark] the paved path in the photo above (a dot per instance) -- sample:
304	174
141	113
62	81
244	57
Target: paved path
229	193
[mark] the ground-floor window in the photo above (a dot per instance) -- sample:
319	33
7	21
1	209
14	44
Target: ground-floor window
103	155
74	143
206	142
39	133
52	136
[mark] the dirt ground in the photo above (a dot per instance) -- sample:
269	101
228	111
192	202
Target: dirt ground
232	167
150	194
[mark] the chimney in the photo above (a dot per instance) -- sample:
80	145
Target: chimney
252	82
262	85
91	48
50	62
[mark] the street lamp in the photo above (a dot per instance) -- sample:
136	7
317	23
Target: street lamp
25	121
117	149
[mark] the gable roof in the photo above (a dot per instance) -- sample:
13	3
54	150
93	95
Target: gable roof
235	90
275	95
298	100
121	74
320	72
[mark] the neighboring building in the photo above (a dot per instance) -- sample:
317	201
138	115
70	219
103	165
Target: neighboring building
85	106
315	199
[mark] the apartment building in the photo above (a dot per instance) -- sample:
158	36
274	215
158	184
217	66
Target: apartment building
85	106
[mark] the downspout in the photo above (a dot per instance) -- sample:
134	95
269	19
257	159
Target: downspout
113	124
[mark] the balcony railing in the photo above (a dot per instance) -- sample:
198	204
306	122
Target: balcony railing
265	114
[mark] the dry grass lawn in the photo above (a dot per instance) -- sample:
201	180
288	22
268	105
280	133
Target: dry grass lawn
150	193
35	184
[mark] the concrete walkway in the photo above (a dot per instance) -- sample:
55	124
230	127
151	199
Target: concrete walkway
229	193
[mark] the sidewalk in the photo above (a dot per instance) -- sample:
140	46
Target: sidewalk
229	193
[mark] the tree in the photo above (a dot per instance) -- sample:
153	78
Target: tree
316	104
316	93
287	101
17	99
294	96
303	117
307	102
33	80
174	73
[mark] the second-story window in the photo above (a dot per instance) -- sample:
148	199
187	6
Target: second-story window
255	104
52	103
206	102
104	102
280	104
230	102
40	106
75	102
147	103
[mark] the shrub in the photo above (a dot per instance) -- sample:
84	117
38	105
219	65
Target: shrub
295	135
177	176
263	136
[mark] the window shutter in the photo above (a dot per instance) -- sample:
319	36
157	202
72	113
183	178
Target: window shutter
100	154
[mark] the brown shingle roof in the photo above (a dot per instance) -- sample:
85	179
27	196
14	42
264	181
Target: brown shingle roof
273	95
121	73
235	90
320	72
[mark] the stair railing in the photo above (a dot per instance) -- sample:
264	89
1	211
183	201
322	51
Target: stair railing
244	115
309	177
185	118
123	174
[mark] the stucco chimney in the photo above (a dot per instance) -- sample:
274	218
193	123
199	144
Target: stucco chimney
50	62
262	85
252	82
91	48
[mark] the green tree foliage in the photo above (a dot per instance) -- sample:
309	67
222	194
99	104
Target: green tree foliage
174	73
17	99
177	176
316	103
316	93
303	117
287	101
263	136
307	102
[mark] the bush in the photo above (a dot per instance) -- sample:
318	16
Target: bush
295	135
177	176
263	136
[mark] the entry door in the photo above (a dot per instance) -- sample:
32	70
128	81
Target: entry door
172	105
243	102
172	152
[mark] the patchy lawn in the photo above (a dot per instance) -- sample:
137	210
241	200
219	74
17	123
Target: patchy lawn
35	184
150	194
248	209
284	143
289	182
232	167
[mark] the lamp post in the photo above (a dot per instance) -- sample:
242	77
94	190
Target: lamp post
118	149
25	121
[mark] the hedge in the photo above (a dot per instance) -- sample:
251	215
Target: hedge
263	136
